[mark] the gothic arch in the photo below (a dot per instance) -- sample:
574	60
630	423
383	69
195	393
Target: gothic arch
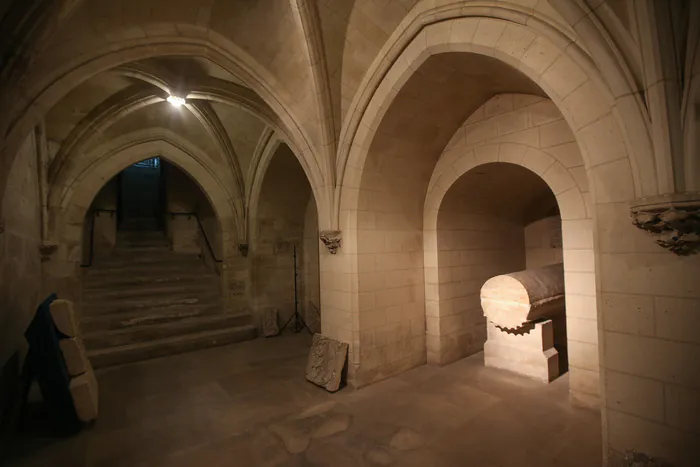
45	92
75	187
550	59
577	230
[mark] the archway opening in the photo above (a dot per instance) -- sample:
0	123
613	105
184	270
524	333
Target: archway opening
498	218
152	262
418	124
285	244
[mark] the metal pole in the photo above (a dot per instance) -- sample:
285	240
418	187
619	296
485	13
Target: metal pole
299	323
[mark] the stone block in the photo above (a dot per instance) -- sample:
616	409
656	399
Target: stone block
84	392
270	326
677	319
536	336
327	360
634	395
541	365
64	317
630	314
682	408
74	355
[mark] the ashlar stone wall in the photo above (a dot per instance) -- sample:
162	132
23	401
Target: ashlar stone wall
311	285
543	243
183	195
474	244
105	223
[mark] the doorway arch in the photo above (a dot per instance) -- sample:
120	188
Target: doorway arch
77	184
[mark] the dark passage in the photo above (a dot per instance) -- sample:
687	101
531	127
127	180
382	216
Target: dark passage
141	200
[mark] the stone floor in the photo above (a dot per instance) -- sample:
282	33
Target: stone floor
249	405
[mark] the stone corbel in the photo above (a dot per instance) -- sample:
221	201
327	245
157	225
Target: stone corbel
46	250
332	240
243	248
673	221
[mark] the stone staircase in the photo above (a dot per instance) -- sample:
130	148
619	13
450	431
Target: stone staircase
146	301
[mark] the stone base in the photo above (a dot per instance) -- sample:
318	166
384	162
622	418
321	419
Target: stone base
530	352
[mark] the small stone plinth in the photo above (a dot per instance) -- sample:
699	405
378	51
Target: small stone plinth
270	328
327	360
529	351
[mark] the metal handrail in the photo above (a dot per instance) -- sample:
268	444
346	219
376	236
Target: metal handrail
201	228
95	213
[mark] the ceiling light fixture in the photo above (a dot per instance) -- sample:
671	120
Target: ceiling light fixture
176	101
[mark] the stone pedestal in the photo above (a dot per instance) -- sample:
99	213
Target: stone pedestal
529	351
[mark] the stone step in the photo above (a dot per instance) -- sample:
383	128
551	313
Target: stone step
126	249
144	278
139	224
131	319
128	257
194	287
141	269
150	332
144	303
111	356
140	236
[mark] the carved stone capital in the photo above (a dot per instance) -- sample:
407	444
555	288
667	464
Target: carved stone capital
332	240
673	221
243	248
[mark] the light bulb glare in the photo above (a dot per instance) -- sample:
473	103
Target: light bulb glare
176	101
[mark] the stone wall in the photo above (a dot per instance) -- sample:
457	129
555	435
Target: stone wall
20	265
279	226
311	286
105	230
543	244
184	196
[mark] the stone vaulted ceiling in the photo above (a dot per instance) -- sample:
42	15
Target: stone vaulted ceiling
305	70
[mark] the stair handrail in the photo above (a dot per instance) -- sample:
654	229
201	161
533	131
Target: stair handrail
94	213
201	228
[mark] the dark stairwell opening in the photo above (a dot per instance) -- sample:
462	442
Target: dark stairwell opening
141	196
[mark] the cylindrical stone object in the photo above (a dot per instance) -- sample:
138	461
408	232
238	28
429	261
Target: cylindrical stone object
513	300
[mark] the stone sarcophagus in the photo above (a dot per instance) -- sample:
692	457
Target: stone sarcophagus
526	321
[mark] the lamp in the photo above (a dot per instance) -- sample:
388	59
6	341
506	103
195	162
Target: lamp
176	101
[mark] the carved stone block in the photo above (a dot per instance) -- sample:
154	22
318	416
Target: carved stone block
46	250
530	352
270	327
673	221
327	360
332	239
74	355
637	459
83	390
243	248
